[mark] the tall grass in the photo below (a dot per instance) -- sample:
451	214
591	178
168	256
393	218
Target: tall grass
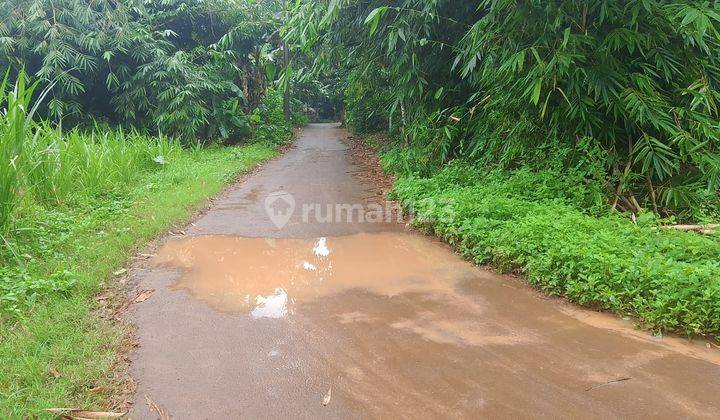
15	121
39	162
64	166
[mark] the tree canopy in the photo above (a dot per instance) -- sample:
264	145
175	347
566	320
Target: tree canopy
182	67
626	91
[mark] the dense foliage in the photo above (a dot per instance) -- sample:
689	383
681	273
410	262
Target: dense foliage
518	128
106	112
42	166
624	91
529	222
186	68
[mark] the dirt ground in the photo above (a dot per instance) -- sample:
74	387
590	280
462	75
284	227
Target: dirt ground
269	306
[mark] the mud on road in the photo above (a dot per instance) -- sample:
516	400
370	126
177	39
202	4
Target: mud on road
256	319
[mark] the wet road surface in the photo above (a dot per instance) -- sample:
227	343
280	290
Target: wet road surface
253	321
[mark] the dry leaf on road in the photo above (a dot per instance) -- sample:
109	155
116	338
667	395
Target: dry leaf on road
54	373
143	296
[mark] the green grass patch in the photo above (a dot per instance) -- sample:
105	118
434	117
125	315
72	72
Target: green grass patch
532	223
55	351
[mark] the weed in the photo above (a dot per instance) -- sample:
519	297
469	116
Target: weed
535	224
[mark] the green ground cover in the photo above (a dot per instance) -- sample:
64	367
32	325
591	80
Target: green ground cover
534	223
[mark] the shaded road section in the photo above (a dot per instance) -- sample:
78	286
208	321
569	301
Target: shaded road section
307	315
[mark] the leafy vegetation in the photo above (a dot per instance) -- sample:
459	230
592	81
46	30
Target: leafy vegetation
55	350
48	172
529	223
625	91
76	206
186	68
554	138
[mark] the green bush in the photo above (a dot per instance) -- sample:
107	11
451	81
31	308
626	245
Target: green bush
94	163
530	223
13	131
366	101
269	120
41	163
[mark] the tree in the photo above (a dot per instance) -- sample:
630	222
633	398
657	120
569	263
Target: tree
188	68
625	91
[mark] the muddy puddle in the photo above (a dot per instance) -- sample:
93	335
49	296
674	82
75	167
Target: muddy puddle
268	277
455	302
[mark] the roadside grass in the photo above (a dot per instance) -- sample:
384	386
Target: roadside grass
534	223
55	348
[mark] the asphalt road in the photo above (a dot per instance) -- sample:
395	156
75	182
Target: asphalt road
312	313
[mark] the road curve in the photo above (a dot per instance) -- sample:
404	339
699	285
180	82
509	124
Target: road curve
308	315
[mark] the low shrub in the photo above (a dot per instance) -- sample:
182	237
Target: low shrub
94	163
269	120
535	224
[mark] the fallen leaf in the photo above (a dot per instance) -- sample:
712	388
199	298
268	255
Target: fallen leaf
120	272
161	412
327	398
143	296
75	413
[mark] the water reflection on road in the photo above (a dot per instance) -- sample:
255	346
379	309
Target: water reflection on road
267	277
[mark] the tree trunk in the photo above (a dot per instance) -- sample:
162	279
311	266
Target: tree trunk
246	87
286	97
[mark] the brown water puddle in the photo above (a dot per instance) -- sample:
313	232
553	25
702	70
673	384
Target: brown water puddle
267	277
270	278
